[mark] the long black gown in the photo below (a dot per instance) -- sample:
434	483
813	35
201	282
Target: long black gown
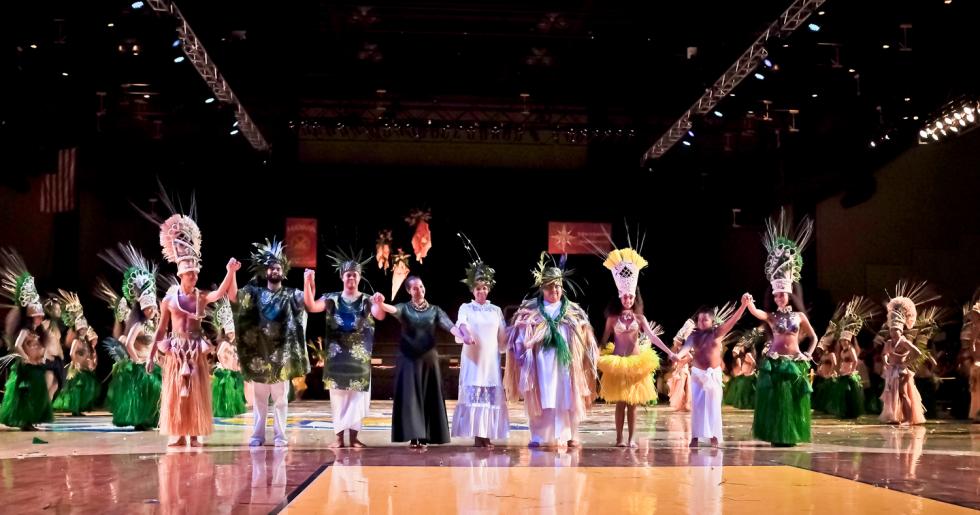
419	412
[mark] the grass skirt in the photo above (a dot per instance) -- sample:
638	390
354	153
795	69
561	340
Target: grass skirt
740	392
227	393
25	397
628	379
782	402
135	395
844	397
80	392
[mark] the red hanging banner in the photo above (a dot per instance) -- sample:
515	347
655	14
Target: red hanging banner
578	237
301	241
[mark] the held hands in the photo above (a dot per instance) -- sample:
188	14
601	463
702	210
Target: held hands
377	299
309	276
233	265
747	300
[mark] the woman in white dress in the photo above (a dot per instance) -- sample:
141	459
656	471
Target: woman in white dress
481	411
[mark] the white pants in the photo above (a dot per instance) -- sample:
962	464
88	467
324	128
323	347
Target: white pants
260	408
706	394
553	427
349	409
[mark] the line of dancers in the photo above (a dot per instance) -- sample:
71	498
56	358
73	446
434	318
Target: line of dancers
163	350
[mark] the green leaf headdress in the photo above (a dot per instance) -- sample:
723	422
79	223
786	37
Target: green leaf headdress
477	270
266	254
785	261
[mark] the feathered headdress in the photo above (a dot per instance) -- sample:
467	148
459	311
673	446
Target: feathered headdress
116	302
17	284
848	320
180	237
751	340
477	270
927	326
72	313
624	263
858	312
348	261
139	286
685	331
719	315
902	307
266	254
785	261
548	271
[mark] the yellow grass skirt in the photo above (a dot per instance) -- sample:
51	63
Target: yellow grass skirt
629	379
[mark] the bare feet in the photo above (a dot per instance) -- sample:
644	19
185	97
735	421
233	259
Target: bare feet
714	442
338	443
180	442
694	443
619	443
633	445
357	444
195	442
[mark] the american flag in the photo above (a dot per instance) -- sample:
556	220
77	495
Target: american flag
58	188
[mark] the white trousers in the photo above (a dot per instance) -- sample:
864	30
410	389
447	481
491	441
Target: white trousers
279	392
349	409
553	427
706	394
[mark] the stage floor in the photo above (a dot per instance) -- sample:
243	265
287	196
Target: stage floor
87	466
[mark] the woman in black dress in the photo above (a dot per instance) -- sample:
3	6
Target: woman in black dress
419	413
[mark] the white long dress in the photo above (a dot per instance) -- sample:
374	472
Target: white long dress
481	410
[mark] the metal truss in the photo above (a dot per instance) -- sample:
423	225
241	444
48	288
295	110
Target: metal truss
788	21
208	71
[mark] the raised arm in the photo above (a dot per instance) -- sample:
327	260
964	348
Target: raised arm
754	311
226	285
726	327
313	305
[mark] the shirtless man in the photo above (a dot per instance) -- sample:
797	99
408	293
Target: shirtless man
704	345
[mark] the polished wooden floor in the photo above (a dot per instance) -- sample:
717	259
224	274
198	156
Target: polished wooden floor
84	465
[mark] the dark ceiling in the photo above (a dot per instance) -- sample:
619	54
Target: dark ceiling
606	77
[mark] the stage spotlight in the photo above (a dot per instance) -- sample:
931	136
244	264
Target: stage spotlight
767	63
759	76
813	27
179	59
690	133
137	5
209	100
233	132
717	113
686	143
176	43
